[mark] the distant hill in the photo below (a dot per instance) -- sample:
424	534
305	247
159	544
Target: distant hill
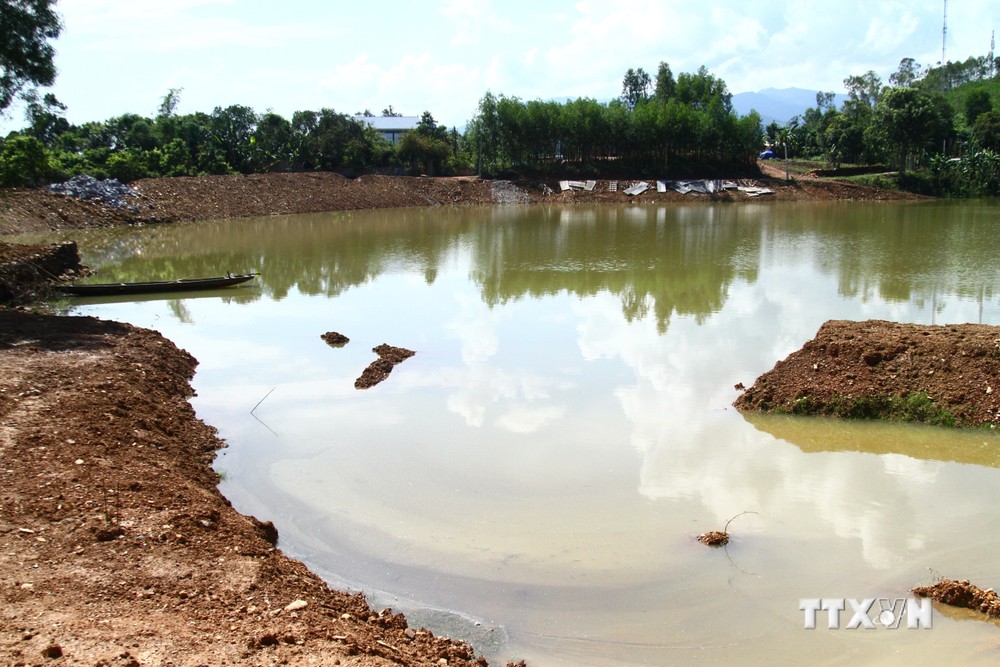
779	104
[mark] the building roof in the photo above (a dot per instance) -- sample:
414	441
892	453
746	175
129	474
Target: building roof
391	123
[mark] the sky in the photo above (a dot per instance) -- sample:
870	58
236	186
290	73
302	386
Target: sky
442	56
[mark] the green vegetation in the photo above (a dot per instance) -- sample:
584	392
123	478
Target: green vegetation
914	407
937	129
230	140
26	26
673	127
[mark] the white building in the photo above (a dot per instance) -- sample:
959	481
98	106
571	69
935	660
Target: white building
390	127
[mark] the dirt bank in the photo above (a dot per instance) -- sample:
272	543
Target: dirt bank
116	548
875	369
209	197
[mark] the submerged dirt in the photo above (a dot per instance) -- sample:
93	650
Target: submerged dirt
116	547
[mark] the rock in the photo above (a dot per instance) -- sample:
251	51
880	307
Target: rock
110	192
296	605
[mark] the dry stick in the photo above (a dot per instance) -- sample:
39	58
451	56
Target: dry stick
726	528
258	418
263	399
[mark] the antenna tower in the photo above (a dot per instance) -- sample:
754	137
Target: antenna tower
944	33
993	62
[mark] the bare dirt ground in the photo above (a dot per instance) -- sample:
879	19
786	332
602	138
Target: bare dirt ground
210	197
116	548
862	366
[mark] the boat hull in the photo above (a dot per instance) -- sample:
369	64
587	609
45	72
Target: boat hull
155	287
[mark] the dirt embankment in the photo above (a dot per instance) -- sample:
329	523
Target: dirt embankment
210	197
875	369
116	548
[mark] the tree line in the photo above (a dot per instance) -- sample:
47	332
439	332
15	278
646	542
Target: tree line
670	125
234	139
938	126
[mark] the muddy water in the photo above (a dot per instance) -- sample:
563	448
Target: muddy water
534	478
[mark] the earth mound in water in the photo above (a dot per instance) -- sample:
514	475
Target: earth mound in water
946	375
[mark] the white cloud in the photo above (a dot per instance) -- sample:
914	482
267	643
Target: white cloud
442	57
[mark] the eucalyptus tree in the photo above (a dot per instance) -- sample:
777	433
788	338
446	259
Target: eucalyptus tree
542	121
907	74
484	132
635	87
513	131
865	88
666	86
584	125
701	88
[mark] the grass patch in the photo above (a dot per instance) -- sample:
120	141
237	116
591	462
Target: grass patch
914	407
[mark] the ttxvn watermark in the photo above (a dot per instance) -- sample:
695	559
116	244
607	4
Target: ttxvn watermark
869	613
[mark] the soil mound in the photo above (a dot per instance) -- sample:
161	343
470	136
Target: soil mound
962	594
945	375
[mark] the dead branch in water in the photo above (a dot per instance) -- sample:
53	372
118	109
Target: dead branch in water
718	538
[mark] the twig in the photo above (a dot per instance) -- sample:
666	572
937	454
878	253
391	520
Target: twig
262	400
726	528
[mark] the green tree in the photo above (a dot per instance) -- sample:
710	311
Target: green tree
24	161
176	159
273	144
864	88
129	165
845	135
977	102
46	117
907	74
986	130
699	89
233	135
665	84
635	87
168	106
26	27
910	124
484	132
429	127
424	153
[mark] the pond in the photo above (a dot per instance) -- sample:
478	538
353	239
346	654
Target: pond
534	478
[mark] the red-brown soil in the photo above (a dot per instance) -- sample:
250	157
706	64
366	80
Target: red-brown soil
857	365
962	594
116	548
209	197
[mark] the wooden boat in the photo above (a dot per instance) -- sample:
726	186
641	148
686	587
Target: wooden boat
154	287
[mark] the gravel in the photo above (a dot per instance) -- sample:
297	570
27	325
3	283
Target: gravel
109	192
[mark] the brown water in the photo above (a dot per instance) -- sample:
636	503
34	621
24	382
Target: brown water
534	478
